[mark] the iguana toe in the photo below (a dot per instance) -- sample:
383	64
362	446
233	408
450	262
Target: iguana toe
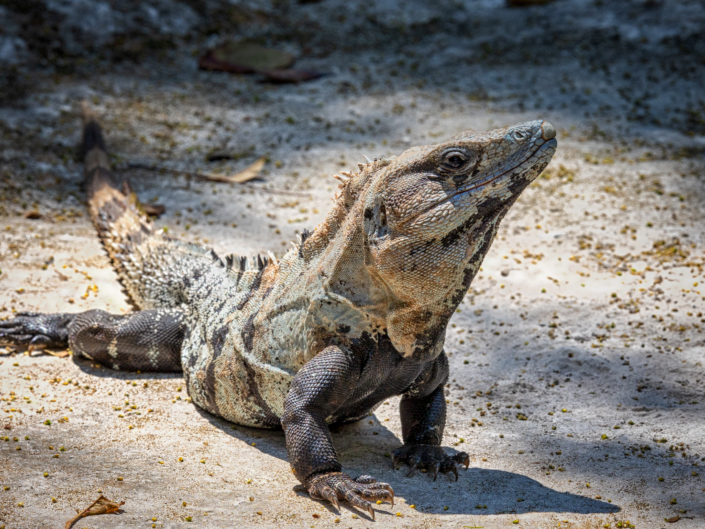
429	458
33	331
335	486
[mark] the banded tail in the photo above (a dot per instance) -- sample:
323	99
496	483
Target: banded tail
124	231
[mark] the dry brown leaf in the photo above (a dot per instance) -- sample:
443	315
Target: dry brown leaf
244	57
32	214
245	175
673	519
100	506
58	354
153	210
290	75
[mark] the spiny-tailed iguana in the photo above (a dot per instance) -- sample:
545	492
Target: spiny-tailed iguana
354	314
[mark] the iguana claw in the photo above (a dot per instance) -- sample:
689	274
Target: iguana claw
335	486
430	458
34	331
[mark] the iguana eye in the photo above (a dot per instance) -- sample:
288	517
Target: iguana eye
454	160
519	135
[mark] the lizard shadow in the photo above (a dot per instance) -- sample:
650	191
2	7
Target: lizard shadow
485	491
365	447
96	370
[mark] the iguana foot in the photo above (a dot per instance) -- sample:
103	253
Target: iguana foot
430	458
33	330
335	486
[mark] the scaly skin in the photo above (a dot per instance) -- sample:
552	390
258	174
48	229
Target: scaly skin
356	313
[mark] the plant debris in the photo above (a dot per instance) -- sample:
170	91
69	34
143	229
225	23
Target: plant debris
153	210
100	506
58	354
245	57
218	177
249	173
290	75
32	214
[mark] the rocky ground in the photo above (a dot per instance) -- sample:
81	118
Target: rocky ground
577	376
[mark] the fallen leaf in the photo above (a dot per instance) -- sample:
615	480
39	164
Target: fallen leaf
32	214
209	62
238	178
58	354
154	210
100	506
673	519
63	277
219	155
244	57
289	75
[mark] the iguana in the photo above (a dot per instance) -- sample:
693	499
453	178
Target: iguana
355	313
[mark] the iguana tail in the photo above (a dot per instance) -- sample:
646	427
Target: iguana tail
125	232
156	271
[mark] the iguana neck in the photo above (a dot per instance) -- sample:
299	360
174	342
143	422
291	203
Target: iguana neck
337	259
335	255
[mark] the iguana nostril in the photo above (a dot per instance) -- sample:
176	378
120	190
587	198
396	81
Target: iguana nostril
548	131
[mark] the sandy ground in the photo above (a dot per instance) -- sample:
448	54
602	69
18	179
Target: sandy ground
577	377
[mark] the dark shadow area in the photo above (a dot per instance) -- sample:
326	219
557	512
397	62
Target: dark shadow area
602	413
491	491
95	370
568	61
364	449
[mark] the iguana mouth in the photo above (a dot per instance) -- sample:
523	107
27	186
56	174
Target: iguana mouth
550	144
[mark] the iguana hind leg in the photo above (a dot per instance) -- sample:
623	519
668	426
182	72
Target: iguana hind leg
149	340
33	330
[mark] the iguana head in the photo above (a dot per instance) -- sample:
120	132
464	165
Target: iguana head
429	216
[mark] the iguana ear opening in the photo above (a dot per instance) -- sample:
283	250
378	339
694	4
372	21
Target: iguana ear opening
375	220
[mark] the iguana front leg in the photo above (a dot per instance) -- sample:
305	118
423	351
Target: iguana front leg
323	385
423	419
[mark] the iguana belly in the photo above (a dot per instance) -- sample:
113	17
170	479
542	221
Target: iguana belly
232	385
